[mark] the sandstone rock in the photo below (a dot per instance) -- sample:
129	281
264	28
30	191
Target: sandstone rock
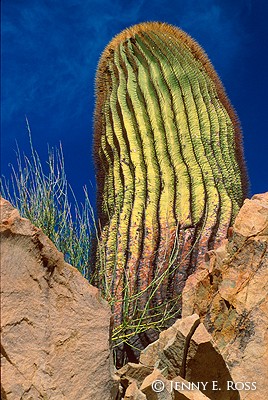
156	387
132	372
230	293
168	352
204	364
133	393
188	349
253	217
55	326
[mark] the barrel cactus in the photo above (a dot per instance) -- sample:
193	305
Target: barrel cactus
170	169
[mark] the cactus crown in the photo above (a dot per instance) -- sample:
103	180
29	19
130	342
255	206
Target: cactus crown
170	169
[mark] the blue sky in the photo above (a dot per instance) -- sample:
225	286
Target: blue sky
50	51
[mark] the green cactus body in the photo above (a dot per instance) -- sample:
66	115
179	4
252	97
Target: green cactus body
170	170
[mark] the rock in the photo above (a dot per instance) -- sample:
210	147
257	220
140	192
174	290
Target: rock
132	372
133	393
55	326
188	349
230	294
168	352
253	217
204	364
156	387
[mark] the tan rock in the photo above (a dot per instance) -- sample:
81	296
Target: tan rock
157	387
205	365
133	372
168	352
253	217
133	393
187	348
230	293
55	326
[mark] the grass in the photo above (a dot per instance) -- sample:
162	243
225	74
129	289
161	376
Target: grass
43	195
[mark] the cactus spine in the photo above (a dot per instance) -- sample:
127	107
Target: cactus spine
170	170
